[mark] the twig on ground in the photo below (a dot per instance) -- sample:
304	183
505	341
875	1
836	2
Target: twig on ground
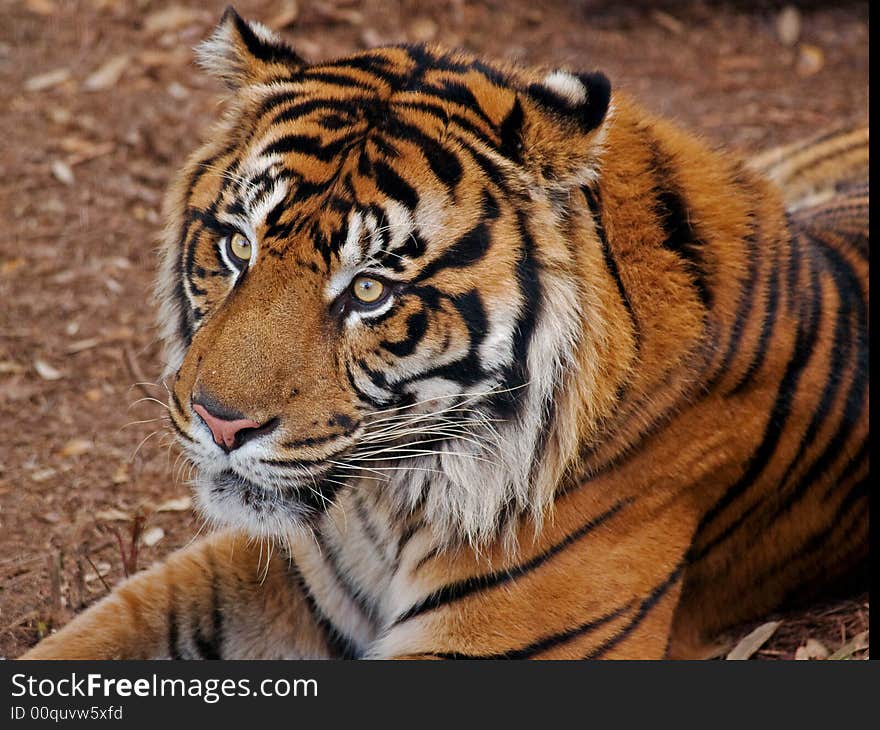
134	369
98	573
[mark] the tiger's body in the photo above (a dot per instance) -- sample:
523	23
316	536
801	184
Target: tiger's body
617	402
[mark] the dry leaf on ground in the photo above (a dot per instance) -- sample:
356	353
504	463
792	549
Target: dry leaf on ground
177	504
47	80
811	60
46	371
62	173
75	447
112	515
788	25
108	74
858	643
152	536
43	475
750	643
812	649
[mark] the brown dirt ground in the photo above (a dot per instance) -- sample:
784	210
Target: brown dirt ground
84	160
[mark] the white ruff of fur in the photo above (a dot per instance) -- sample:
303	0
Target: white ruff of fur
470	487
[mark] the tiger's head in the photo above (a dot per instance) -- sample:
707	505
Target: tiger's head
366	280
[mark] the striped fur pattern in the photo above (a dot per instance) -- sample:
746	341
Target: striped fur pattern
614	399
815	170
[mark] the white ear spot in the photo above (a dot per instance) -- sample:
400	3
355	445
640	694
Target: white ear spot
567	86
264	34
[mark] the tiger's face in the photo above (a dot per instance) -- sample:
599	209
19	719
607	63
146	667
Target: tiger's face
352	280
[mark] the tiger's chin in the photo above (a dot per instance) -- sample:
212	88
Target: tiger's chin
228	499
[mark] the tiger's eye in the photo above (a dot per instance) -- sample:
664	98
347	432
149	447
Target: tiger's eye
367	290
240	248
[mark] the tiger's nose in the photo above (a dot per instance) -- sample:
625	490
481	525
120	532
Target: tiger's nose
229	429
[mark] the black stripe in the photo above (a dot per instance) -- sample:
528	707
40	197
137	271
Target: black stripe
805	341
443	163
302	107
746	296
189	258
352	592
838	526
180	432
260	49
416	325
443	115
595	205
851	307
315	440
337	77
362	395
339	645
516	375
548	642
680	235
394	186
369	529
173	628
488	167
466	251
839	353
312	145
855	463
459	93
477	584
510	133
651	600
317	500
211	648
794	263
767	325
467	370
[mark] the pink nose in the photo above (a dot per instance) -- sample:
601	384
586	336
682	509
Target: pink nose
227	433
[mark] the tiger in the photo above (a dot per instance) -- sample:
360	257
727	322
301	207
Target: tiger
475	360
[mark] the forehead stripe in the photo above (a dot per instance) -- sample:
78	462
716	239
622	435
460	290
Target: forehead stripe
394	186
308	144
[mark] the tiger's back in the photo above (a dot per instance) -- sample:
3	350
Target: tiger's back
652	379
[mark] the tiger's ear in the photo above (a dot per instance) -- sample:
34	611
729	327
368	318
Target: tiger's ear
554	126
241	52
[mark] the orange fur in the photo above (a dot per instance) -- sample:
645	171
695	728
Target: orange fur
687	358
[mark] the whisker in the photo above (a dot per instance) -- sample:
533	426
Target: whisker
357	476
467	396
459	435
143	441
149	398
344	465
147	420
418	453
402	468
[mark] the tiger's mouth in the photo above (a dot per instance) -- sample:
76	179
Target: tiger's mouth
230	499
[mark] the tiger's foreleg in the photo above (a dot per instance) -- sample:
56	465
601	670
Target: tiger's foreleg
222	597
